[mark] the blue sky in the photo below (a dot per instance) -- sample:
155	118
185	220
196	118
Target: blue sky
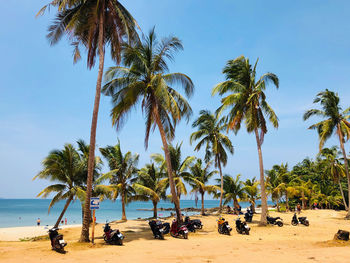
46	101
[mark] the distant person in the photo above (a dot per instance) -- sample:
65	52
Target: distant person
298	208
65	221
38	222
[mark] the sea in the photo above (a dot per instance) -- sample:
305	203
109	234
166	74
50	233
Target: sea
25	212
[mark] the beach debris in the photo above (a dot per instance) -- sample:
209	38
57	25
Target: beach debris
342	235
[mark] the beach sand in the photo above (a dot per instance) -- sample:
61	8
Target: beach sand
264	244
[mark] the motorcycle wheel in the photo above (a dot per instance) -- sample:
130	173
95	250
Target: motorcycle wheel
104	238
119	242
280	224
294	223
247	232
306	223
238	230
161	236
185	235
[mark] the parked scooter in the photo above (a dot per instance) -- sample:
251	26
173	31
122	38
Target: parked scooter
112	237
248	216
242	227
274	221
57	241
193	225
300	220
159	229
177	230
224	227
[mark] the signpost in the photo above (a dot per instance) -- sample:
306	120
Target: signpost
94	204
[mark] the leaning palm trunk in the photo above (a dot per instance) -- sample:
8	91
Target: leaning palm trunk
155	209
85	228
342	194
63	211
202	210
262	182
341	140
221	187
277	204
175	198
252	202
123	207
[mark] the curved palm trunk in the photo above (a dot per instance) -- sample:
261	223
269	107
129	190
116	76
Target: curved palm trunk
342	194
235	204
91	162
278	205
123	207
155	215
169	167
341	140
253	205
202	210
262	182
64	210
222	187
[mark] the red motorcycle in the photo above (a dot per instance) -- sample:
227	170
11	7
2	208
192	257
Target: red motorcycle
177	230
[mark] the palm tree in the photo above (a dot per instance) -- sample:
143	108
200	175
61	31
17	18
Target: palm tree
233	189
247	101
210	128
252	191
145	79
122	175
93	24
334	168
273	180
150	185
336	121
66	168
180	167
199	178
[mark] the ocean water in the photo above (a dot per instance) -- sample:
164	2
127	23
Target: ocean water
25	212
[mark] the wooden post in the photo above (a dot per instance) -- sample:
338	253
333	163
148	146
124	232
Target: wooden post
93	226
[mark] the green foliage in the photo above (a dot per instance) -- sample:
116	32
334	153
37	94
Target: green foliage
233	189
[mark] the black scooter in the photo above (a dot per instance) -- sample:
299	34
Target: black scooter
224	227
300	220
112	237
248	216
57	241
242	227
193	225
274	221
159	229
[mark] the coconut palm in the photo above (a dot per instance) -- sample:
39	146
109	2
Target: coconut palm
247	101
199	178
150	185
273	180
145	78
210	128
336	122
233	189
95	25
122	175
252	191
66	169
180	167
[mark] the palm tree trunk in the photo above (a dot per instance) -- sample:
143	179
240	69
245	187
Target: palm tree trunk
123	207
222	185
262	182
91	162
235	204
202	212
253	206
64	210
303	200
155	209
342	194
341	140
277	204
169	167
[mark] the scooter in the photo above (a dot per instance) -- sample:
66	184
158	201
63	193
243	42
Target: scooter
274	221
248	216
159	229
177	230
193	225
224	227
112	237
242	227
301	220
57	241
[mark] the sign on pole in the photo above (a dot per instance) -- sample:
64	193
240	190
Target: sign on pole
94	203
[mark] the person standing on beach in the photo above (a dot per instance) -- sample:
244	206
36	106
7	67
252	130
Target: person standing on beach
38	222
65	221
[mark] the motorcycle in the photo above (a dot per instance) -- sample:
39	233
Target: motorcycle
193	225
178	230
224	227
242	227
57	241
112	237
274	221
300	220
159	229
248	216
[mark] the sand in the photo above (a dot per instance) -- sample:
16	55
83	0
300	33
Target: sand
264	244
